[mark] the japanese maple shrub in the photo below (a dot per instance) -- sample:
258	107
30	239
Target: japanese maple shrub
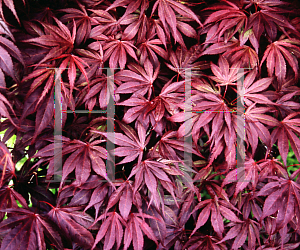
149	124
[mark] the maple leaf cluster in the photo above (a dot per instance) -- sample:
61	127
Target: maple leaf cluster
194	153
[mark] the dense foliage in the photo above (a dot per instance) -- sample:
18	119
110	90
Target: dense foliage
232	187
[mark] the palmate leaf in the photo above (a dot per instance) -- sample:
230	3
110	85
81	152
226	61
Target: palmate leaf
124	196
132	6
139	105
57	38
149	172
204	242
220	47
134	231
169	146
82	20
206	92
225	19
93	57
138	79
166	101
250	91
287	104
99	196
278	53
40	100
8	199
84	156
44	76
137	25
208	107
103	86
272	167
184	59
70	62
248	202
111	229
7	166
27	229
168	18
40	76
282	197
240	231
152	111
159	224
225	75
215	209
271	5
131	144
243	176
270	22
143	112
72	226
245	54
62	41
148	48
288	130
257	122
107	24
172	94
117	50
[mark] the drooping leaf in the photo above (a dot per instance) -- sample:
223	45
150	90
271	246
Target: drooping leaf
28	229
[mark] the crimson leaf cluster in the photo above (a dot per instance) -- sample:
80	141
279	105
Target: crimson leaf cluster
166	193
